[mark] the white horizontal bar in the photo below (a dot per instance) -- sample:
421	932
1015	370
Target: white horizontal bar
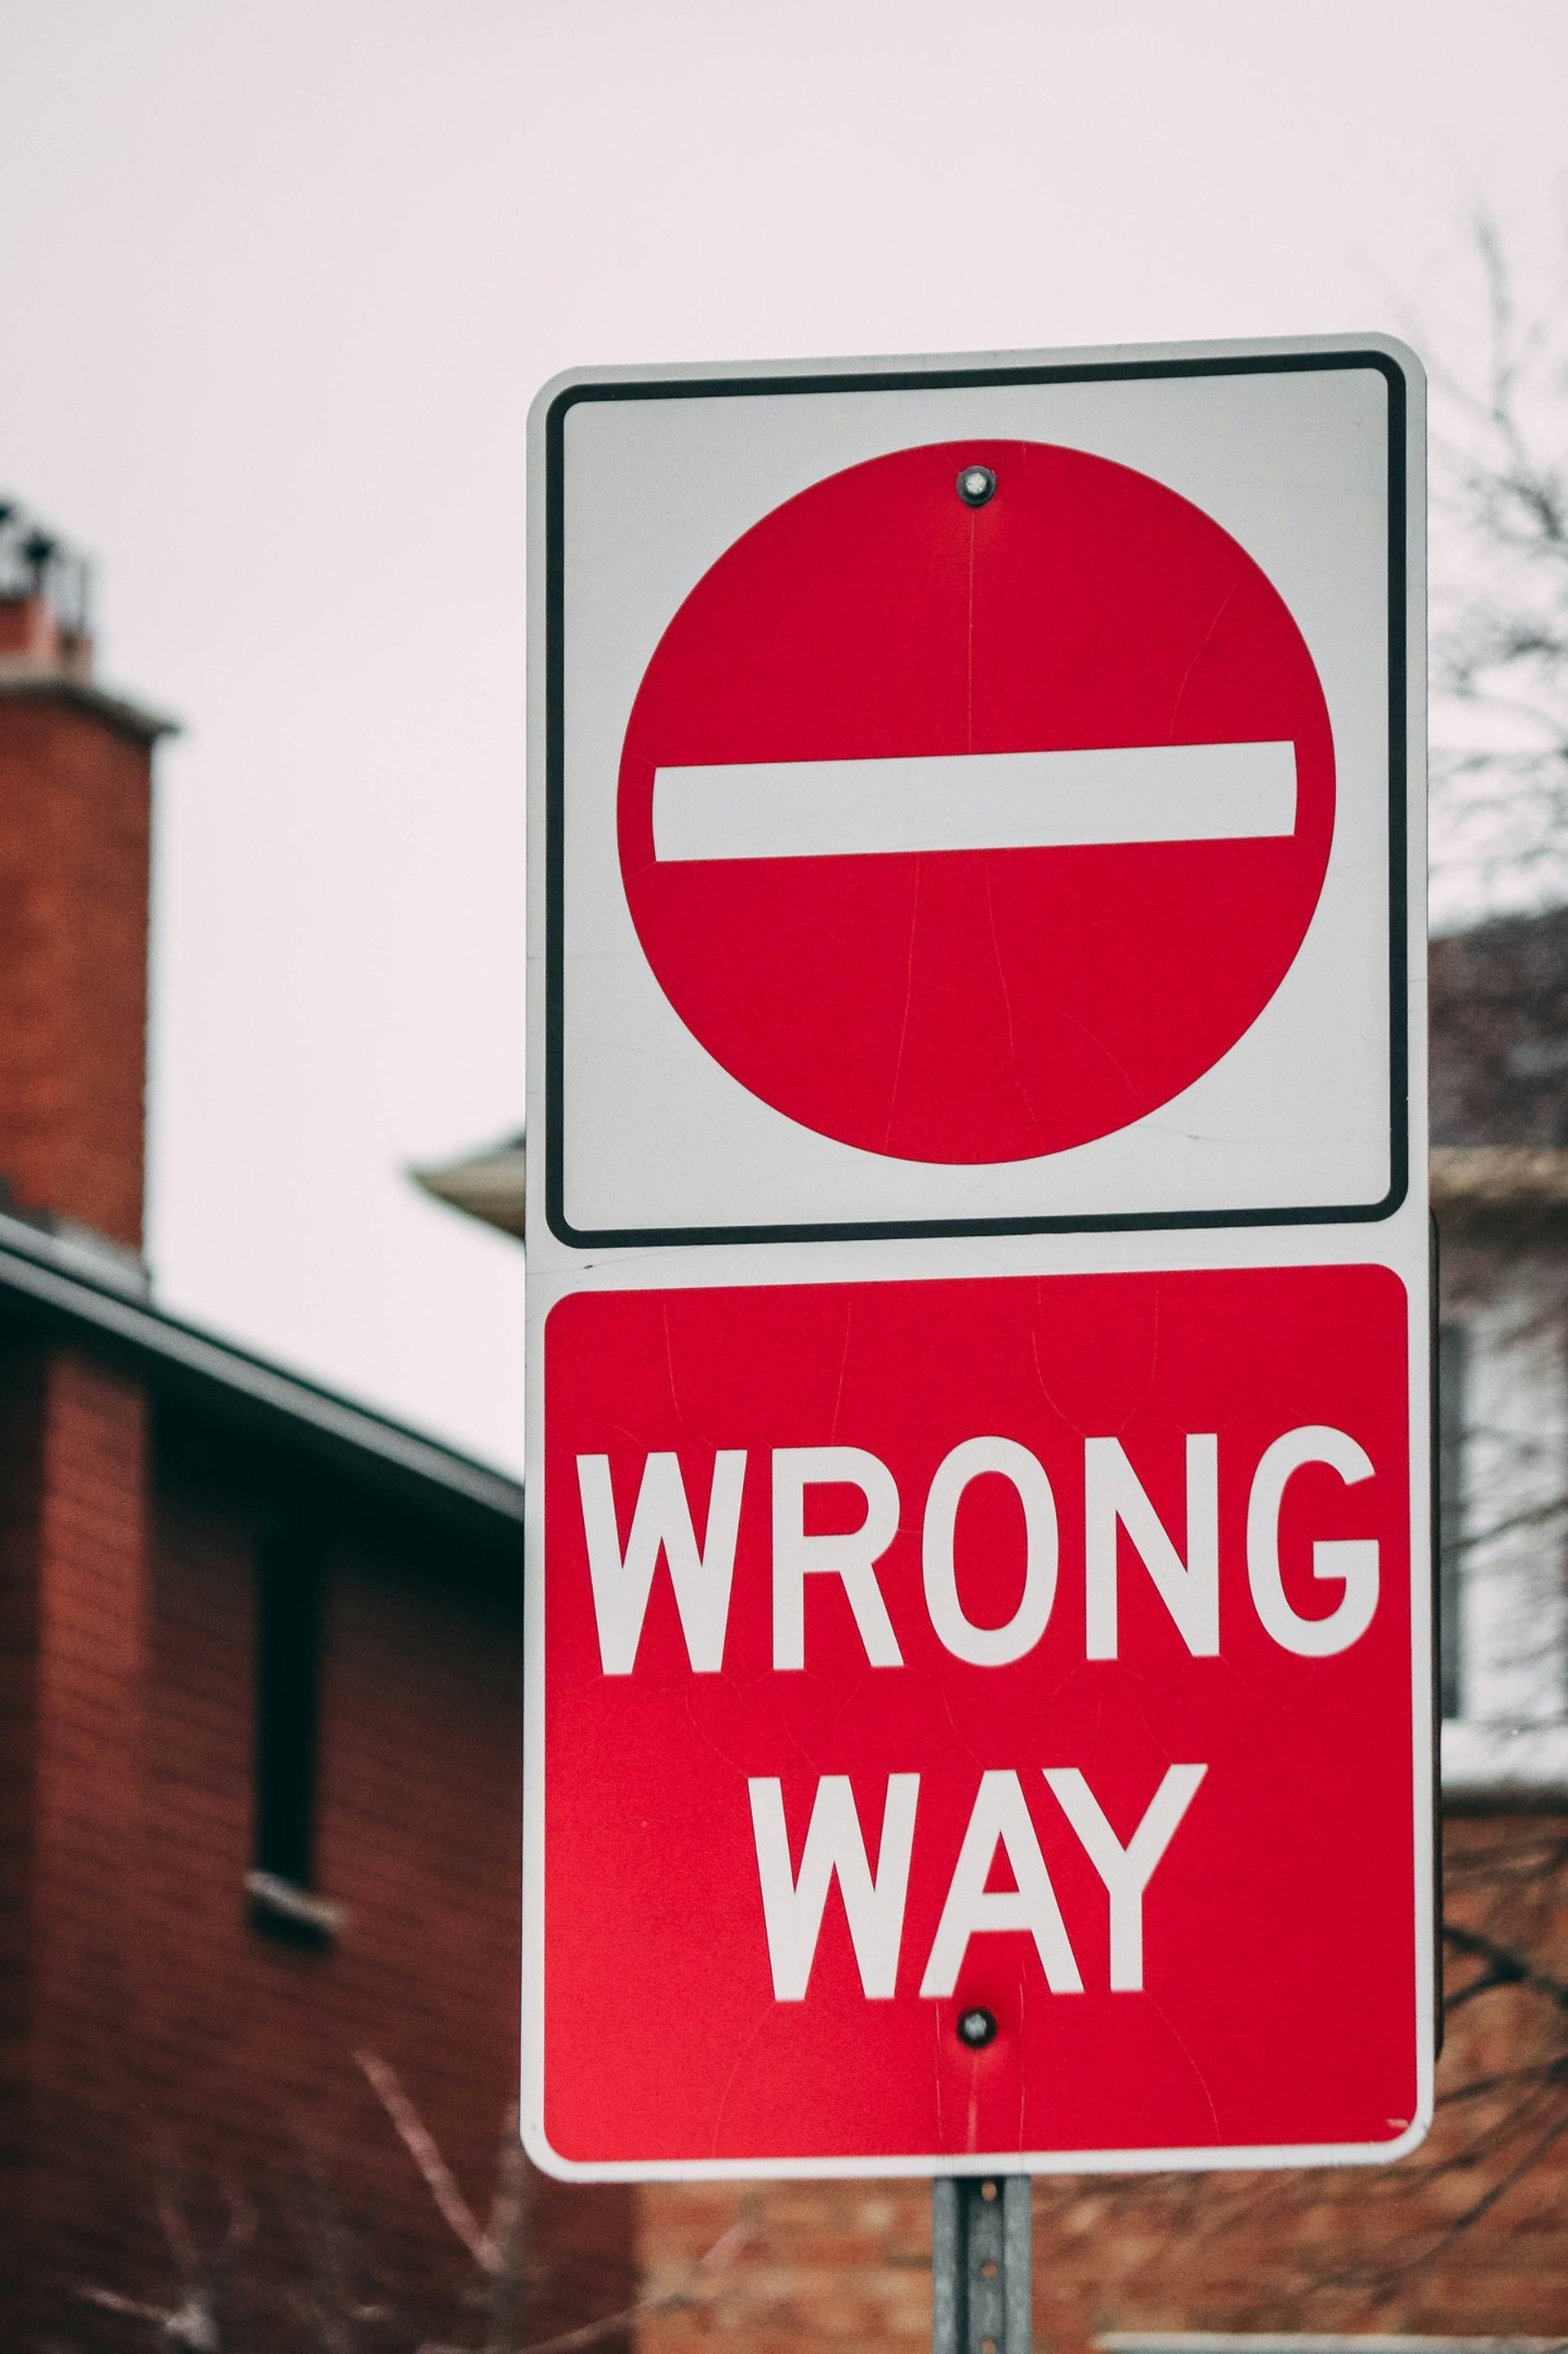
976	800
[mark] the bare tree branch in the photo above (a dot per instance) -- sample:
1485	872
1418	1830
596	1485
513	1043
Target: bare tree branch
422	2148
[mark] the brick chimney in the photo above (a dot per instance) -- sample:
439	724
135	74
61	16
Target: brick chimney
75	816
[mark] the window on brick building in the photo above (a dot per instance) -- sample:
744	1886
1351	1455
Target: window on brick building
290	1611
1452	1349
1502	1511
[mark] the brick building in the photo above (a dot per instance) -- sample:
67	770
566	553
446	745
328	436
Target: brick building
259	1714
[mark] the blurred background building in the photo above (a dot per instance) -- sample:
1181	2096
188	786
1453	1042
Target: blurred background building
259	1671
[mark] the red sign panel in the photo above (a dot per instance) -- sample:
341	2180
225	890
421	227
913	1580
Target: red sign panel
988	946
978	1723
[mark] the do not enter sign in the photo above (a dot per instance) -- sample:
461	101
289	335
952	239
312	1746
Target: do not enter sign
978	1646
973	811
975	801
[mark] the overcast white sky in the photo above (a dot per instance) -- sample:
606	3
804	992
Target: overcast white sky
277	279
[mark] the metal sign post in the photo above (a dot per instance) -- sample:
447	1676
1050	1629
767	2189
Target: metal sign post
981	2268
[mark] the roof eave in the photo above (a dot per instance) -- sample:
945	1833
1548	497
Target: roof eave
33	1277
23	679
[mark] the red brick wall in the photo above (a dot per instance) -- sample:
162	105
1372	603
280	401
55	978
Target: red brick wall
76	1569
74	843
821	2265
249	2043
21	1421
180	2102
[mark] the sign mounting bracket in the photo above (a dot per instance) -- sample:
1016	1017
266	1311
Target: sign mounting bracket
981	2248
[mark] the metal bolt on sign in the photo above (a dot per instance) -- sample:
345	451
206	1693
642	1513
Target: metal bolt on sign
980	2250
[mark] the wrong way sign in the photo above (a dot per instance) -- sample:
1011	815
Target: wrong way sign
978	1618
979	1720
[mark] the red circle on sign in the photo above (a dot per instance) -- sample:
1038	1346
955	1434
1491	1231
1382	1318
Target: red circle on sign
966	1004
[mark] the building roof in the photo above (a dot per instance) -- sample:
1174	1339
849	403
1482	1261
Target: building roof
55	1280
487	1185
23	678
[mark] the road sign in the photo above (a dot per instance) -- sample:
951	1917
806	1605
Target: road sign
966	833
913	866
979	1686
1039	1647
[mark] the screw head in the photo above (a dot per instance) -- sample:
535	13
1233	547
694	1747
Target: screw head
976	486
977	2028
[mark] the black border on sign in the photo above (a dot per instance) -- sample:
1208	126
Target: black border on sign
932	379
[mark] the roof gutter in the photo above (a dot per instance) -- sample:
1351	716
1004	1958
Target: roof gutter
32	1270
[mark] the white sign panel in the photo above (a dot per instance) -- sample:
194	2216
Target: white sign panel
780	1005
